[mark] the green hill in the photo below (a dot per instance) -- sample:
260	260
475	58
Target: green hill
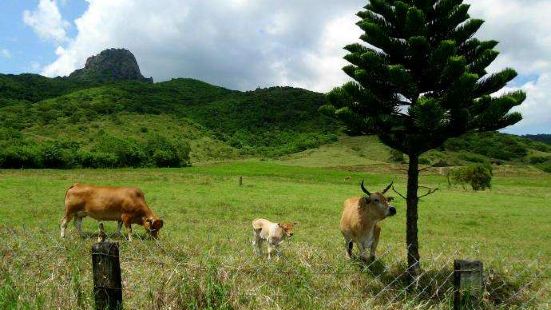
121	119
215	122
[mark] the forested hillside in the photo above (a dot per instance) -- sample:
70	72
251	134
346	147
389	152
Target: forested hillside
80	125
100	117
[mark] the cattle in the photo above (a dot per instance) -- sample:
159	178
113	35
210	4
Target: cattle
126	205
273	233
360	218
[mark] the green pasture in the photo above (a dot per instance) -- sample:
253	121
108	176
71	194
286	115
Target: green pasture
204	257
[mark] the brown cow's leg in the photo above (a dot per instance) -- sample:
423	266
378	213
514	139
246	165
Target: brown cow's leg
119	227
78	224
127	220
376	234
64	221
349	247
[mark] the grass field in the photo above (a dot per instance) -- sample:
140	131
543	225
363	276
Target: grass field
204	257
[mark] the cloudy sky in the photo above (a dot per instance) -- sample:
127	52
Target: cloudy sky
245	44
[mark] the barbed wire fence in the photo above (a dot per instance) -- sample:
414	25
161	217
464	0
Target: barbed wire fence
165	275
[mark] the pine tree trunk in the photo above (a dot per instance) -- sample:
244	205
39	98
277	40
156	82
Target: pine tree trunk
411	223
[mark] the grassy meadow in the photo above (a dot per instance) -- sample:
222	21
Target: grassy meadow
204	258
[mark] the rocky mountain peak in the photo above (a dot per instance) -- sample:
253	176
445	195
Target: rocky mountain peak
114	64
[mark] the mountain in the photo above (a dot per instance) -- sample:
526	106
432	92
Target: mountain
111	65
545	138
109	115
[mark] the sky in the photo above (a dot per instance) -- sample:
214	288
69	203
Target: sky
246	44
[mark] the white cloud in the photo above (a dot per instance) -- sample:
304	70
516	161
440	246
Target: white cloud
522	28
47	22
239	44
5	53
536	110
244	44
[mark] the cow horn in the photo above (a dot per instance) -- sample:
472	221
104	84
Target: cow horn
388	187
364	189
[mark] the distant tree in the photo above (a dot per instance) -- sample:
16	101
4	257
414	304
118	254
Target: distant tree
478	176
420	80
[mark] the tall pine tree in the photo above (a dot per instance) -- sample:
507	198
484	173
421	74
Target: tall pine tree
421	79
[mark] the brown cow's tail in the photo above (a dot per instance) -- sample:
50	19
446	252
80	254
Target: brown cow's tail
67	191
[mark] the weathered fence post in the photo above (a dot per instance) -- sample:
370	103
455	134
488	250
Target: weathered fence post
468	284
240	181
107	275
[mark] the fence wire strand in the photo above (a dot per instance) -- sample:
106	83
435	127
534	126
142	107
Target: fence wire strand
383	277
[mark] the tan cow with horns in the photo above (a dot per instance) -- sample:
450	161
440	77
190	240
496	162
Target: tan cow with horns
360	217
126	205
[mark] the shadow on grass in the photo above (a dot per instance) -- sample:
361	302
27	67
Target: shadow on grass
116	236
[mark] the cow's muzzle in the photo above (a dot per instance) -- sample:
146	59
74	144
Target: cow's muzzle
391	211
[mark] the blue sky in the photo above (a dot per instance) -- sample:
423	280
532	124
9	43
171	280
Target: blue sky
27	52
245	44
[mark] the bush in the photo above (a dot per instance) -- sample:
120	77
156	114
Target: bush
473	158
164	153
396	156
97	159
538	159
21	156
493	145
424	161
479	176
545	167
61	154
128	152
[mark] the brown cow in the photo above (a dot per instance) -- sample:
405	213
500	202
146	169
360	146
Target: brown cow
126	205
359	220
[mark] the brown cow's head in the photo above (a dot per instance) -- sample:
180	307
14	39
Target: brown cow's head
287	228
153	225
378	204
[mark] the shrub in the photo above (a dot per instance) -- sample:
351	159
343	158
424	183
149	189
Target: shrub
60	154
494	145
128	152
424	161
441	163
164	153
479	176
97	159
538	159
21	156
545	166
396	156
473	158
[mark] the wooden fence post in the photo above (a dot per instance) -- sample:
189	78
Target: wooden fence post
107	275
468	284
